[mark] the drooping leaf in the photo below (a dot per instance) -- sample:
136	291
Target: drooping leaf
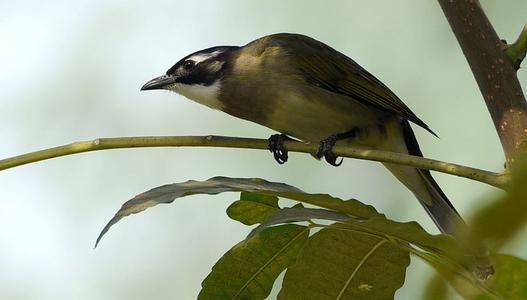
168	193
216	185
249	269
298	214
336	264
253	208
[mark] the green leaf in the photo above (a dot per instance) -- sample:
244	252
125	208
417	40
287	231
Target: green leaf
510	279
249	269
298	214
336	264
253	208
442	247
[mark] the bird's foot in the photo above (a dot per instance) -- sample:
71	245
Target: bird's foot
326	145
276	146
325	149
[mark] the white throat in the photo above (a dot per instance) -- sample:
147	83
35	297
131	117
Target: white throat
203	94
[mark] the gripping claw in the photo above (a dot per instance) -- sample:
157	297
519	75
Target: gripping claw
276	146
324	149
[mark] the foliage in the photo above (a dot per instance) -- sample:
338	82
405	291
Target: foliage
338	250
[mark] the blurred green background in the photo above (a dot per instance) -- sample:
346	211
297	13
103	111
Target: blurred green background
71	70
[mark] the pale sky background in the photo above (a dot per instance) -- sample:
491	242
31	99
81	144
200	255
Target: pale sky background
71	70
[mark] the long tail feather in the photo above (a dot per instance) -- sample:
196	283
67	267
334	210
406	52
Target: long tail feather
435	202
439	208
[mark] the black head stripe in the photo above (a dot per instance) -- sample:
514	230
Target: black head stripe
223	51
199	75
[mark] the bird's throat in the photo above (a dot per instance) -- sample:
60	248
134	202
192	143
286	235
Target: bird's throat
207	95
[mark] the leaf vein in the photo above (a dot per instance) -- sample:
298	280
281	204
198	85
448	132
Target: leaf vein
268	262
363	260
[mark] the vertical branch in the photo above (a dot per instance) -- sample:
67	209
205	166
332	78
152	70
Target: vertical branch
493	70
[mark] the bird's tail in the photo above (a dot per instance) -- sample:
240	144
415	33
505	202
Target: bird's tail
425	188
432	198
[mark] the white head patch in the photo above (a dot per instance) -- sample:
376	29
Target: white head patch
197	58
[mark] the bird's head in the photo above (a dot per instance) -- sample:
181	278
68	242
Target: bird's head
197	76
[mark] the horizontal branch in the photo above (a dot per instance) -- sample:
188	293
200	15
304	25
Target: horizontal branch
491	178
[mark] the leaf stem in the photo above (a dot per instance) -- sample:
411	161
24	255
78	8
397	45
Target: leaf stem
491	178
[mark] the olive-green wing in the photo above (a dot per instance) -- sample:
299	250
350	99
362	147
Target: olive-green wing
326	67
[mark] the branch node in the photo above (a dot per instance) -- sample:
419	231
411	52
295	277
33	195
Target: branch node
517	50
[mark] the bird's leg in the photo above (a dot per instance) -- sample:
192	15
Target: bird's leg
276	146
325	146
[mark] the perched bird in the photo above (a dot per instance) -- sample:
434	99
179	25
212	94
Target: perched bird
304	89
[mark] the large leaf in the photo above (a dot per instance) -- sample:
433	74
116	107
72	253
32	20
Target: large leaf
442	247
442	251
253	208
336	264
168	193
249	269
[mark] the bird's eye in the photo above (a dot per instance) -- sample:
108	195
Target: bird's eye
188	64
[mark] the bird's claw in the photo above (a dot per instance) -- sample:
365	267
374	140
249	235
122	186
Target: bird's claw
325	149
276	146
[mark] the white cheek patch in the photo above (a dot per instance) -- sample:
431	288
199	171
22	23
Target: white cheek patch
203	94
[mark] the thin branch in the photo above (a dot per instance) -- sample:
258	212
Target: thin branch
493	70
518	49
494	179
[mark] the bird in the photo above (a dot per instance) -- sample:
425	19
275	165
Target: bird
306	90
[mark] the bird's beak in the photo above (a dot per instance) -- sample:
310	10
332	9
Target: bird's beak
159	83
